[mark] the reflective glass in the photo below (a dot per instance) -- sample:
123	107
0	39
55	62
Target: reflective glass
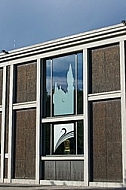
64	85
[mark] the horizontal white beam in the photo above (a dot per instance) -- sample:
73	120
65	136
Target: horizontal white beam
63	118
105	95
48	158
24	105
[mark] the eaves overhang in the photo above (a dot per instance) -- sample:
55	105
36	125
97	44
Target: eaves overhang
74	40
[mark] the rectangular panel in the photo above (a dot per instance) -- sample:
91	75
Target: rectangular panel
6	168
25	143
25	82
104	69
106	141
49	168
77	170
62	170
1	84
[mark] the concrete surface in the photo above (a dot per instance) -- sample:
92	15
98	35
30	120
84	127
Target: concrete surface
32	187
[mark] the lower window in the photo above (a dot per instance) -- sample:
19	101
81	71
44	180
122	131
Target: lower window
63	138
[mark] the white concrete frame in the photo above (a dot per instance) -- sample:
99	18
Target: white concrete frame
3	123
10	126
85	111
87	97
38	120
123	107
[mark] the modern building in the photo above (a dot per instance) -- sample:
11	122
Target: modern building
63	111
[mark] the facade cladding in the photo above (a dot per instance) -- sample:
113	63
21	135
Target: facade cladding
62	111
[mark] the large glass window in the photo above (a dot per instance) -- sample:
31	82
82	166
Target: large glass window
63	138
63	87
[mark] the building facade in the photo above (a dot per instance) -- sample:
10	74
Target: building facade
62	111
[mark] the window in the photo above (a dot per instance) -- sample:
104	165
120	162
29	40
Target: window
63	97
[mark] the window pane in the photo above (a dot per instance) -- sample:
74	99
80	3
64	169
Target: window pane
48	88
80	139
63	85
63	138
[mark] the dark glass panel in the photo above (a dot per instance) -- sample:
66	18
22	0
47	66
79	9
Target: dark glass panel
80	137
80	83
46	139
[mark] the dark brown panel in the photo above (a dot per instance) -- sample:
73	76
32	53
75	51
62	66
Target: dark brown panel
104	69
25	144
6	168
25	88
1	84
106	145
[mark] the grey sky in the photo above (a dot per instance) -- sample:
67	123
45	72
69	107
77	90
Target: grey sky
30	22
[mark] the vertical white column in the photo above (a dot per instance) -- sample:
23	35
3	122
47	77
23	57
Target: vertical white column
3	123
10	125
85	107
123	107
38	123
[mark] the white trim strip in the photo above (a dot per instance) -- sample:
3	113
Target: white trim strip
24	105
3	123
62	158
105	95
24	181
63	118
105	184
85	107
10	124
123	108
65	50
38	119
62	183
65	42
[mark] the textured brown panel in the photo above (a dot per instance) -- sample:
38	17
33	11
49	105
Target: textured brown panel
21	83
31	81
99	141
62	170
26	82
104	69
6	168
30	141
107	141
25	144
77	170
1	84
